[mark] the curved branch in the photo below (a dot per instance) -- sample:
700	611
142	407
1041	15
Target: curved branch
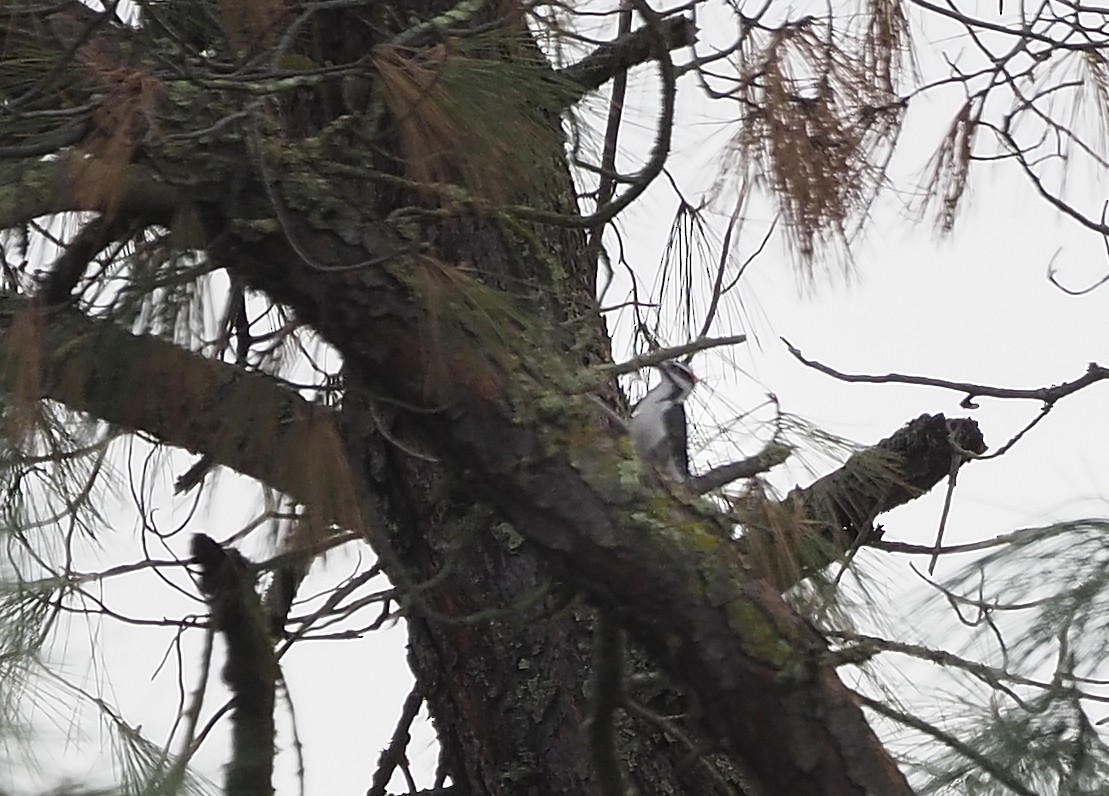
57	285
1049	395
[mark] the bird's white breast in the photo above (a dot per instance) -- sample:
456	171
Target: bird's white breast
647	426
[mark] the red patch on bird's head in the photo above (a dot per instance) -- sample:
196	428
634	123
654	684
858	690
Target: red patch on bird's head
685	370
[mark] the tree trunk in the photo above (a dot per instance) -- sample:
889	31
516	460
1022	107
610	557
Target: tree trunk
510	503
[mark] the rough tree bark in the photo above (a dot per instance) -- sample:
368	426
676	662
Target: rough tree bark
493	490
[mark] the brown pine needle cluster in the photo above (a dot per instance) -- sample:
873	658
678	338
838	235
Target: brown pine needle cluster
820	119
127	115
949	167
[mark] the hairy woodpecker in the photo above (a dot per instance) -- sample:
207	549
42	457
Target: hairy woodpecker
657	426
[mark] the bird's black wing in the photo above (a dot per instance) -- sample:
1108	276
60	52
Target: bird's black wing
677	437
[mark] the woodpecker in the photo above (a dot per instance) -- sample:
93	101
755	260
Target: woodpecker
658	426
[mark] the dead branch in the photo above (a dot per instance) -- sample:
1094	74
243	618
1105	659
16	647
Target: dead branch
920	453
251	670
1048	395
397	749
768	458
837	511
618	56
674	352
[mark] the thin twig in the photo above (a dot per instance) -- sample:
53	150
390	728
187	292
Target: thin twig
956	460
721	265
192	713
1049	395
1044	411
607	185
969	547
298	745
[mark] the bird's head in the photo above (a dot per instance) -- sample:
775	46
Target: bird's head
680	375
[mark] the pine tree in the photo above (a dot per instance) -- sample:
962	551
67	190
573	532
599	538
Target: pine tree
338	247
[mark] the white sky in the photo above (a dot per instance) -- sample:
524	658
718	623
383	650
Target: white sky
975	308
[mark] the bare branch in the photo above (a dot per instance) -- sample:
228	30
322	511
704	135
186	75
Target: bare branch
607	185
631	49
664	354
1049	395
956	461
721	266
1001	540
769	457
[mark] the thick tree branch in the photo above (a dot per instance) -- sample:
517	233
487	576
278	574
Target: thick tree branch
898	469
503	418
620	55
251	670
836	512
37	188
30	190
702	613
246	421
